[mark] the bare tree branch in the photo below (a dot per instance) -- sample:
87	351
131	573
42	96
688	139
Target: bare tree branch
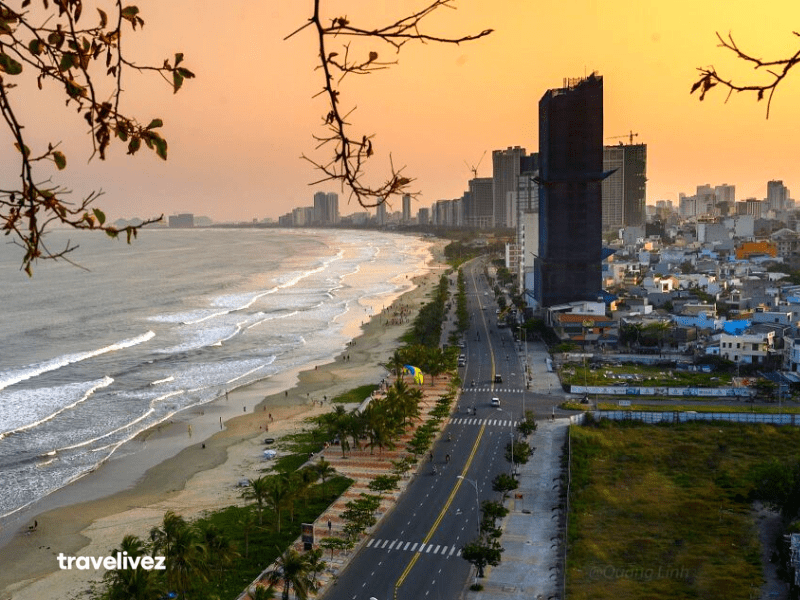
49	42
351	151
709	77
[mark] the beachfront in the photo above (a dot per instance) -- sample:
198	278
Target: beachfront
201	477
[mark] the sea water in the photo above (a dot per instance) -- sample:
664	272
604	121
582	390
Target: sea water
92	355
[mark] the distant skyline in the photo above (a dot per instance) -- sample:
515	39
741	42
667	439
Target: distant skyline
237	131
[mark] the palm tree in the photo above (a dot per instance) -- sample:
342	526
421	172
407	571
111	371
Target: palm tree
324	470
355	427
163	537
261	592
396	364
131	584
221	550
380	424
258	491
296	572
304	479
339	422
405	400
279	496
247	521
185	553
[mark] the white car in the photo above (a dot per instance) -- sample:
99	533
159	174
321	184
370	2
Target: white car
496	402
269	454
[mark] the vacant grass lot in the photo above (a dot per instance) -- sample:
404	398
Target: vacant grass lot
662	511
643	375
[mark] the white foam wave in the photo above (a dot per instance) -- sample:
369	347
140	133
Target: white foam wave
268	319
10	378
105	382
165	380
105	435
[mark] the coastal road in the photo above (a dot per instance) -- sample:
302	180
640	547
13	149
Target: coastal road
414	553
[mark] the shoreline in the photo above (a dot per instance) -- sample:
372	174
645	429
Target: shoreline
129	493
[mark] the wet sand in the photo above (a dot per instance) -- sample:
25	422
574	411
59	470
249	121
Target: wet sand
130	493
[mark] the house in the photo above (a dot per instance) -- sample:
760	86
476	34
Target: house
747	348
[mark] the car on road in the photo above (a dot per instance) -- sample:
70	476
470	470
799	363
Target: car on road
496	402
498	378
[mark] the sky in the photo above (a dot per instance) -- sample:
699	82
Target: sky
236	133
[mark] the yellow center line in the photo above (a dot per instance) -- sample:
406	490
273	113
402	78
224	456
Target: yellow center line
441	514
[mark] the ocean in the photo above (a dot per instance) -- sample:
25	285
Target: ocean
92	356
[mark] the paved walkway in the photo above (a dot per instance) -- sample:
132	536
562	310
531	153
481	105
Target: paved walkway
532	564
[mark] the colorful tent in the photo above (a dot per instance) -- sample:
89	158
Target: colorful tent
416	372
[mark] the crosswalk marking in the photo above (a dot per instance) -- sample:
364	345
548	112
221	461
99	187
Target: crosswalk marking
440	549
488	389
490	422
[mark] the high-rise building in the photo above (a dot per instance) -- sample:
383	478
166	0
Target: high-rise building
725	193
568	267
326	209
406	209
478	203
624	191
505	169
528	221
380	212
777	195
182	220
332	213
424	216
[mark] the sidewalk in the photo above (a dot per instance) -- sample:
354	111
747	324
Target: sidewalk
532	564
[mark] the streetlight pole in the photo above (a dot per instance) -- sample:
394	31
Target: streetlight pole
477	503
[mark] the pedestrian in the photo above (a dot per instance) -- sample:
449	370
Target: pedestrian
220	423
330	526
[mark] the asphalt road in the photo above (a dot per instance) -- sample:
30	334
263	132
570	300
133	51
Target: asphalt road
414	552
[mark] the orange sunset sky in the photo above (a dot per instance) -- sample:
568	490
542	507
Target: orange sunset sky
237	131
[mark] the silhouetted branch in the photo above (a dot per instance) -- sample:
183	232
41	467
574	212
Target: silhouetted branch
709	77
50	44
351	151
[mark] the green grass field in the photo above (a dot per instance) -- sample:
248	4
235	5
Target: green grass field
661	511
643	375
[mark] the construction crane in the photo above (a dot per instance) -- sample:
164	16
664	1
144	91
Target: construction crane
474	168
630	136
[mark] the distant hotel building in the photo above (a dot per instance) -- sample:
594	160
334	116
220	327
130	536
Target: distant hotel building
380	213
505	170
624	191
568	267
478	203
406	209
777	196
326	209
181	221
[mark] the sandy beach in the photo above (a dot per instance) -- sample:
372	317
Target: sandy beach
217	445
